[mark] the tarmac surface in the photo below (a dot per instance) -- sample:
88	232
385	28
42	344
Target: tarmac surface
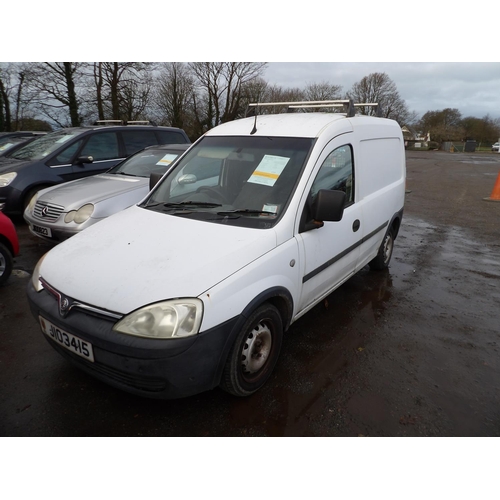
413	351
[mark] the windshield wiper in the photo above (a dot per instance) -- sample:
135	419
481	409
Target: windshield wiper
185	205
246	211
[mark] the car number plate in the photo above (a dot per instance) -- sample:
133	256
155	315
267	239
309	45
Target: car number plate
69	341
44	231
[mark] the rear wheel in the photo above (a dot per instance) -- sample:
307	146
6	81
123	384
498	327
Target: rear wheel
6	263
381	261
254	353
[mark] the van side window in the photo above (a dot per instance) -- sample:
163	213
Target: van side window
336	173
102	146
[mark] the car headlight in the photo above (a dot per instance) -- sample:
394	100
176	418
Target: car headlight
6	179
81	215
164	320
32	203
35	277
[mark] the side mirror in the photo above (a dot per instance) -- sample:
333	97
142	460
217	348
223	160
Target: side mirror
187	179
154	177
84	159
328	205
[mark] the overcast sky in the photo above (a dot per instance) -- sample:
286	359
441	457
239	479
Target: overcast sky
472	88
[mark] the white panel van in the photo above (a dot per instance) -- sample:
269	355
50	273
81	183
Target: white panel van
195	286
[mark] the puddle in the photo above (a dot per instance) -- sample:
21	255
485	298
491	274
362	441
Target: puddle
386	350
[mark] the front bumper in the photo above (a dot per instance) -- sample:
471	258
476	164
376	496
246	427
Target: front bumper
161	369
59	230
11	200
56	235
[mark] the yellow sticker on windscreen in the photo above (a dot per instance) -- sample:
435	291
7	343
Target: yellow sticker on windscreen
269	170
167	159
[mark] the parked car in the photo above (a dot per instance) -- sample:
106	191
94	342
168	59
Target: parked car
9	247
58	212
195	286
12	141
73	153
495	146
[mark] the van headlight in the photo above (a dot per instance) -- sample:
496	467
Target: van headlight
6	179
35	277
170	319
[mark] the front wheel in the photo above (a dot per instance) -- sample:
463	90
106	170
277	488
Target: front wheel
381	261
254	353
6	263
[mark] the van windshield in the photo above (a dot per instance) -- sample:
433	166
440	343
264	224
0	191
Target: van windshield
245	181
44	145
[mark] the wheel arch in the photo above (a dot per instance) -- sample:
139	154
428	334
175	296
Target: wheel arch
395	223
30	191
7	244
279	297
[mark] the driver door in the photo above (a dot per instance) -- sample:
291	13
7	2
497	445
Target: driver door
330	253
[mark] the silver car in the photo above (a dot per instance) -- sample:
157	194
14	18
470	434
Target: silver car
58	212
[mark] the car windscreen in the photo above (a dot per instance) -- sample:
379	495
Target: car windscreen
146	162
43	146
7	143
244	181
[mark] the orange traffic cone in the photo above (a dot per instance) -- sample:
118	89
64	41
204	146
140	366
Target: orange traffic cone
495	194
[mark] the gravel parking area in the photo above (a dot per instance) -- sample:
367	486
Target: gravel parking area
409	352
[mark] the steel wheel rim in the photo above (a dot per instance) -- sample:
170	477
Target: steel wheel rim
3	264
256	349
388	248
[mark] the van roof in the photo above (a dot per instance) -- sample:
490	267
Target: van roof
283	125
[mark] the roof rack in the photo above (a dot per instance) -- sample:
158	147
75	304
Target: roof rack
108	122
137	122
123	122
348	105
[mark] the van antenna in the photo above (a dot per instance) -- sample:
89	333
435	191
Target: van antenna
255	121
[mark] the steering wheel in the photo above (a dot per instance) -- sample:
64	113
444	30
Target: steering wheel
214	192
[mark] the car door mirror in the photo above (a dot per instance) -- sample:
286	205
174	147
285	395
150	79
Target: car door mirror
187	179
154	177
328	205
84	159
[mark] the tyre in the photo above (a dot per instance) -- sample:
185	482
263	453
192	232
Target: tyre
254	353
381	261
6	263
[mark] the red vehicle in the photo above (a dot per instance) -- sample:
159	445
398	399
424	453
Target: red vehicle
9	246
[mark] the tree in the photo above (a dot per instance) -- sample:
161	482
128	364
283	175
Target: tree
322	91
173	95
483	130
379	88
54	88
276	93
222	85
443	125
121	90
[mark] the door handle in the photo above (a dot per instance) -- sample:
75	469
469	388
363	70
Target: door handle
355	225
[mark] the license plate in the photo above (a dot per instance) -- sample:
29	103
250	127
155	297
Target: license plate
67	340
44	231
